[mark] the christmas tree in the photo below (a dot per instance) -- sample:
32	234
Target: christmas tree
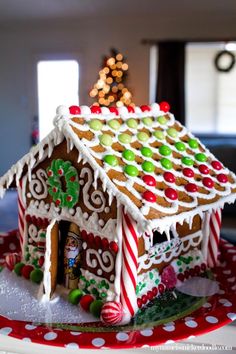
110	89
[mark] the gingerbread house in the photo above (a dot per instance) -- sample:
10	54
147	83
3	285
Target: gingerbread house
122	203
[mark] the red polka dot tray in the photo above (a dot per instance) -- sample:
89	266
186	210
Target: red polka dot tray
167	320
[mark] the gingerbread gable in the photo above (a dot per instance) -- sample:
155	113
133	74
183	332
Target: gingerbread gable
152	164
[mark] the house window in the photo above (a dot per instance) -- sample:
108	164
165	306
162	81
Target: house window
210	94
58	84
159	238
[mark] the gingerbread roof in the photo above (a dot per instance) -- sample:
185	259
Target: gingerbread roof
147	159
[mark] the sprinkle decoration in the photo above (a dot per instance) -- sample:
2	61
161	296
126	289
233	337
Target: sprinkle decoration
149	180
171	194
149	196
208	182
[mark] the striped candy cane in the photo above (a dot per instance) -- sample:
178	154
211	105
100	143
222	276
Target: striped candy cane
214	238
128	279
21	215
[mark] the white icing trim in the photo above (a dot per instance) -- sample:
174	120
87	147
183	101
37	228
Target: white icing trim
102	259
38	186
47	262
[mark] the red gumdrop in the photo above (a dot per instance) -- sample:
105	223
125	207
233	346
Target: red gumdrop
114	110
74	110
222	178
85	302
197	269
95	109
149	295
149	197
28	218
192	272
41	261
186	274
139	303
114	247
149	180
208	182
26	270
169	177
130	109
203	266
145	108
105	243
154	291
164	106
180	276
144	299
203	169
191	187
161	288
171	193
188	172
216	165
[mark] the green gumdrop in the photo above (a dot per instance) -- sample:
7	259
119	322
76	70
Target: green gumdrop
142	136
172	132
187	161
193	143
74	296
162	120
95	124
95	308
201	157
164	150
128	155
125	138
1	268
132	123
18	267
36	276
166	163
159	135
148	166
180	146
131	170
114	124
147	152
105	139
147	121
111	160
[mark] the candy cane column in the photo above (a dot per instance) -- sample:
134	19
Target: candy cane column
21	215
214	238
128	277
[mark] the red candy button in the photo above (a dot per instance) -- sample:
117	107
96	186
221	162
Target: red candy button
191	187
149	180
105	243
208	182
26	270
204	169
161	288
114	110
154	291
149	196
171	193
145	108
222	178
86	301
144	299
74	110
169	177
130	109
187	172
114	247
139	303
164	106
96	109
216	165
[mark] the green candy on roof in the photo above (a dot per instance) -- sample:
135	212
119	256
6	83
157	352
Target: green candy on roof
111	160
187	161
180	146
105	139
142	136
165	150
201	157
132	123
128	155
193	143
131	170
166	163
148	166
147	121
95	124
125	138
159	135
114	124
146	151
172	132
162	120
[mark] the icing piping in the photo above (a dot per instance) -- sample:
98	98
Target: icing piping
38	187
102	260
47	262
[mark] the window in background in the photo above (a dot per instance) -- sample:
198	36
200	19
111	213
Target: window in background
58	84
210	94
